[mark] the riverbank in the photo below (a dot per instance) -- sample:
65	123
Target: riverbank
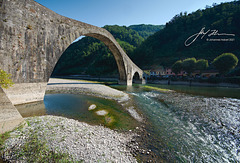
71	140
76	141
92	88
85	87
166	82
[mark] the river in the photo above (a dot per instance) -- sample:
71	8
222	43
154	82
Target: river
189	124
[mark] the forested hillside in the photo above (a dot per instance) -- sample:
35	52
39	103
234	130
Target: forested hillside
146	30
92	57
167	46
164	47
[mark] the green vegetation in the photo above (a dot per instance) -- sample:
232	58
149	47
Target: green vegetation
5	79
34	149
3	137
158	89
177	67
201	64
189	65
166	46
146	30
92	57
163	48
225	62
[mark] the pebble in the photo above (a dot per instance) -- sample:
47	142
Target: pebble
92	107
102	112
89	143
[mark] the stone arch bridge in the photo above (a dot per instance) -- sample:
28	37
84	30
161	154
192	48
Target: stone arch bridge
32	39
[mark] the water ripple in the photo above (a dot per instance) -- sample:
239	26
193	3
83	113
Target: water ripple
195	128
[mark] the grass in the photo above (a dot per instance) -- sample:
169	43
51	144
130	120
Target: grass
158	89
3	137
34	149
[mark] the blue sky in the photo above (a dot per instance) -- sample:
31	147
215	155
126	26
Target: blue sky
124	12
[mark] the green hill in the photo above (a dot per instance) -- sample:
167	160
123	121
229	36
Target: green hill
146	30
167	46
92	57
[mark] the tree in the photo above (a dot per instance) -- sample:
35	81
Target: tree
225	62
201	64
177	67
189	65
5	79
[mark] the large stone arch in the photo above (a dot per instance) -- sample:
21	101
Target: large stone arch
32	39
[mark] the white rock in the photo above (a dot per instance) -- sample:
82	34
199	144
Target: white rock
92	107
102	112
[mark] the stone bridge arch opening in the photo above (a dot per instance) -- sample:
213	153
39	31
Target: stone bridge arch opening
136	78
34	38
114	50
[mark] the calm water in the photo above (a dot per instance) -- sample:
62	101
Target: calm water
190	127
76	107
193	124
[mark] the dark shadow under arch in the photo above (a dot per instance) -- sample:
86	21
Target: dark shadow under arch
136	78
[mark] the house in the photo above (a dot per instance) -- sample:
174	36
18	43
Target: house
159	71
209	73
205	73
169	72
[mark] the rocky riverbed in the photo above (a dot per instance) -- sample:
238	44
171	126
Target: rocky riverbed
82	142
56	85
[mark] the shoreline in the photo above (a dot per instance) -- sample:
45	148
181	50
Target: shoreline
187	83
105	144
162	82
79	140
93	89
86	87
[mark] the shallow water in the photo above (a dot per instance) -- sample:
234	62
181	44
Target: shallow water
190	128
192	124
76	107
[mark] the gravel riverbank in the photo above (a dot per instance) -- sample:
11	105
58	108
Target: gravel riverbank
95	89
86	87
81	141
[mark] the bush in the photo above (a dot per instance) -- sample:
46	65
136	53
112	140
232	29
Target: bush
5	79
225	62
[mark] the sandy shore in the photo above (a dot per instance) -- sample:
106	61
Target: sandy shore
82	142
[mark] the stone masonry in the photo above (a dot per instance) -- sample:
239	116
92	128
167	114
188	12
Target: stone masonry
33	38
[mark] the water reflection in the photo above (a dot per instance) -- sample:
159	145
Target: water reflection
32	109
76	107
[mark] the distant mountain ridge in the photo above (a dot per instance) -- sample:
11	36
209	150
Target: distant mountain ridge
146	30
92	57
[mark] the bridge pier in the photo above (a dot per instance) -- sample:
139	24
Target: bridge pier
21	93
9	115
125	82
33	38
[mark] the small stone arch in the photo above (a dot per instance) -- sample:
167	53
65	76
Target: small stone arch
136	78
